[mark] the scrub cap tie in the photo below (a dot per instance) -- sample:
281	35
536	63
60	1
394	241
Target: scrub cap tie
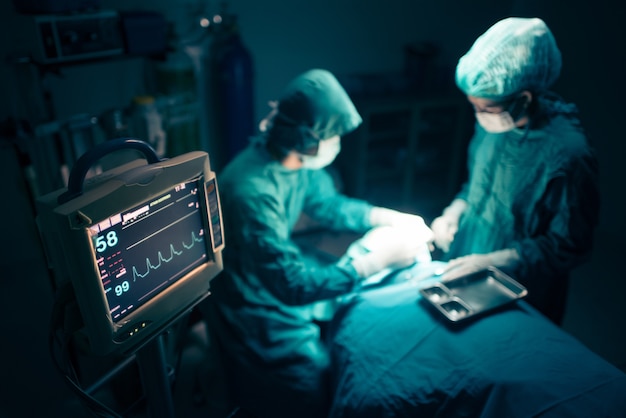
513	55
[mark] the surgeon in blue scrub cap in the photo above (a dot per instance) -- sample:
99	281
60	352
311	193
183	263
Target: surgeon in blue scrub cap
264	304
530	204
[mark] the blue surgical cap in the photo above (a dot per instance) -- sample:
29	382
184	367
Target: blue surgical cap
513	55
313	106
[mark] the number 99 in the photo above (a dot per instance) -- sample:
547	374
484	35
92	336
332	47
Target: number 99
122	288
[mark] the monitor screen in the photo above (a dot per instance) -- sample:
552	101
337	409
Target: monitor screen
135	251
144	249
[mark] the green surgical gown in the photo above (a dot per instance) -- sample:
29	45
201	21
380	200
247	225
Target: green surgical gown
534	190
263	299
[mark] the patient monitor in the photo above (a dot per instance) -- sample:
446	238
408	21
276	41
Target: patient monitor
133	248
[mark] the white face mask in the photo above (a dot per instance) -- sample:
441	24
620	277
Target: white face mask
496	122
327	151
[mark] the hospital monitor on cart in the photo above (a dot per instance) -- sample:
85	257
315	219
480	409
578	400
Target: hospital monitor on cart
136	249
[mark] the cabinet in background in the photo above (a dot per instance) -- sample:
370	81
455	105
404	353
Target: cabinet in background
406	147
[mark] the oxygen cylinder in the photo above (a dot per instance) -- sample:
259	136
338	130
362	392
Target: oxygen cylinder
235	83
176	85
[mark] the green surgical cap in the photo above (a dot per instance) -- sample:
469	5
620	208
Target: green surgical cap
513	55
313	106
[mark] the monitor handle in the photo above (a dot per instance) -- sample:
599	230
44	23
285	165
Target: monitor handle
84	163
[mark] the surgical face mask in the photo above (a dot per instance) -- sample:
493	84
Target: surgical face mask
504	121
496	122
327	151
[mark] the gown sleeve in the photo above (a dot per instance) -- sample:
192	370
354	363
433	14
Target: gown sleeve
332	209
266	249
565	219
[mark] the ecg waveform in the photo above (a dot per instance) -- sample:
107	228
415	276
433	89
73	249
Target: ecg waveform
173	253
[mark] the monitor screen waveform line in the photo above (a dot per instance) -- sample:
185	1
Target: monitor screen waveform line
161	258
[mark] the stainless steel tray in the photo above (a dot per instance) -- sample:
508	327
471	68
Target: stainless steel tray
468	296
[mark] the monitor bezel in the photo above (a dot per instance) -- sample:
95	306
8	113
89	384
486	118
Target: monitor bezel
72	256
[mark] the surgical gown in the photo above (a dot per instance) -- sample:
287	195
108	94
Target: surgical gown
263	301
534	190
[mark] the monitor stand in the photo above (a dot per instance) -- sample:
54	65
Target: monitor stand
154	376
155	380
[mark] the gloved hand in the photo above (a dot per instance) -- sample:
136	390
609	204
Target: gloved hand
413	224
476	262
446	226
386	247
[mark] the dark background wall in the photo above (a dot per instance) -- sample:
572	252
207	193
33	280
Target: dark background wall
349	37
356	36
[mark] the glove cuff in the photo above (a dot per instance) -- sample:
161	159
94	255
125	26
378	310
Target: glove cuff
455	209
382	216
366	266
506	257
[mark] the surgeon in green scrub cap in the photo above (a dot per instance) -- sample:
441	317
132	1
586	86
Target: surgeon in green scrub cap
530	204
263	305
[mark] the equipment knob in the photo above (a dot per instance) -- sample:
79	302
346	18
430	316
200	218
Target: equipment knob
70	37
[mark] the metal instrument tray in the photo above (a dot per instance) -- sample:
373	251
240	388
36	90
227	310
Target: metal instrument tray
474	294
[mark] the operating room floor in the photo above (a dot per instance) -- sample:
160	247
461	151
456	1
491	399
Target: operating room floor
32	387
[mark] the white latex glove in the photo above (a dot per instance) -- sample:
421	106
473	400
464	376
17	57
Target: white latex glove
386	248
476	262
446	226
413	224
444	230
